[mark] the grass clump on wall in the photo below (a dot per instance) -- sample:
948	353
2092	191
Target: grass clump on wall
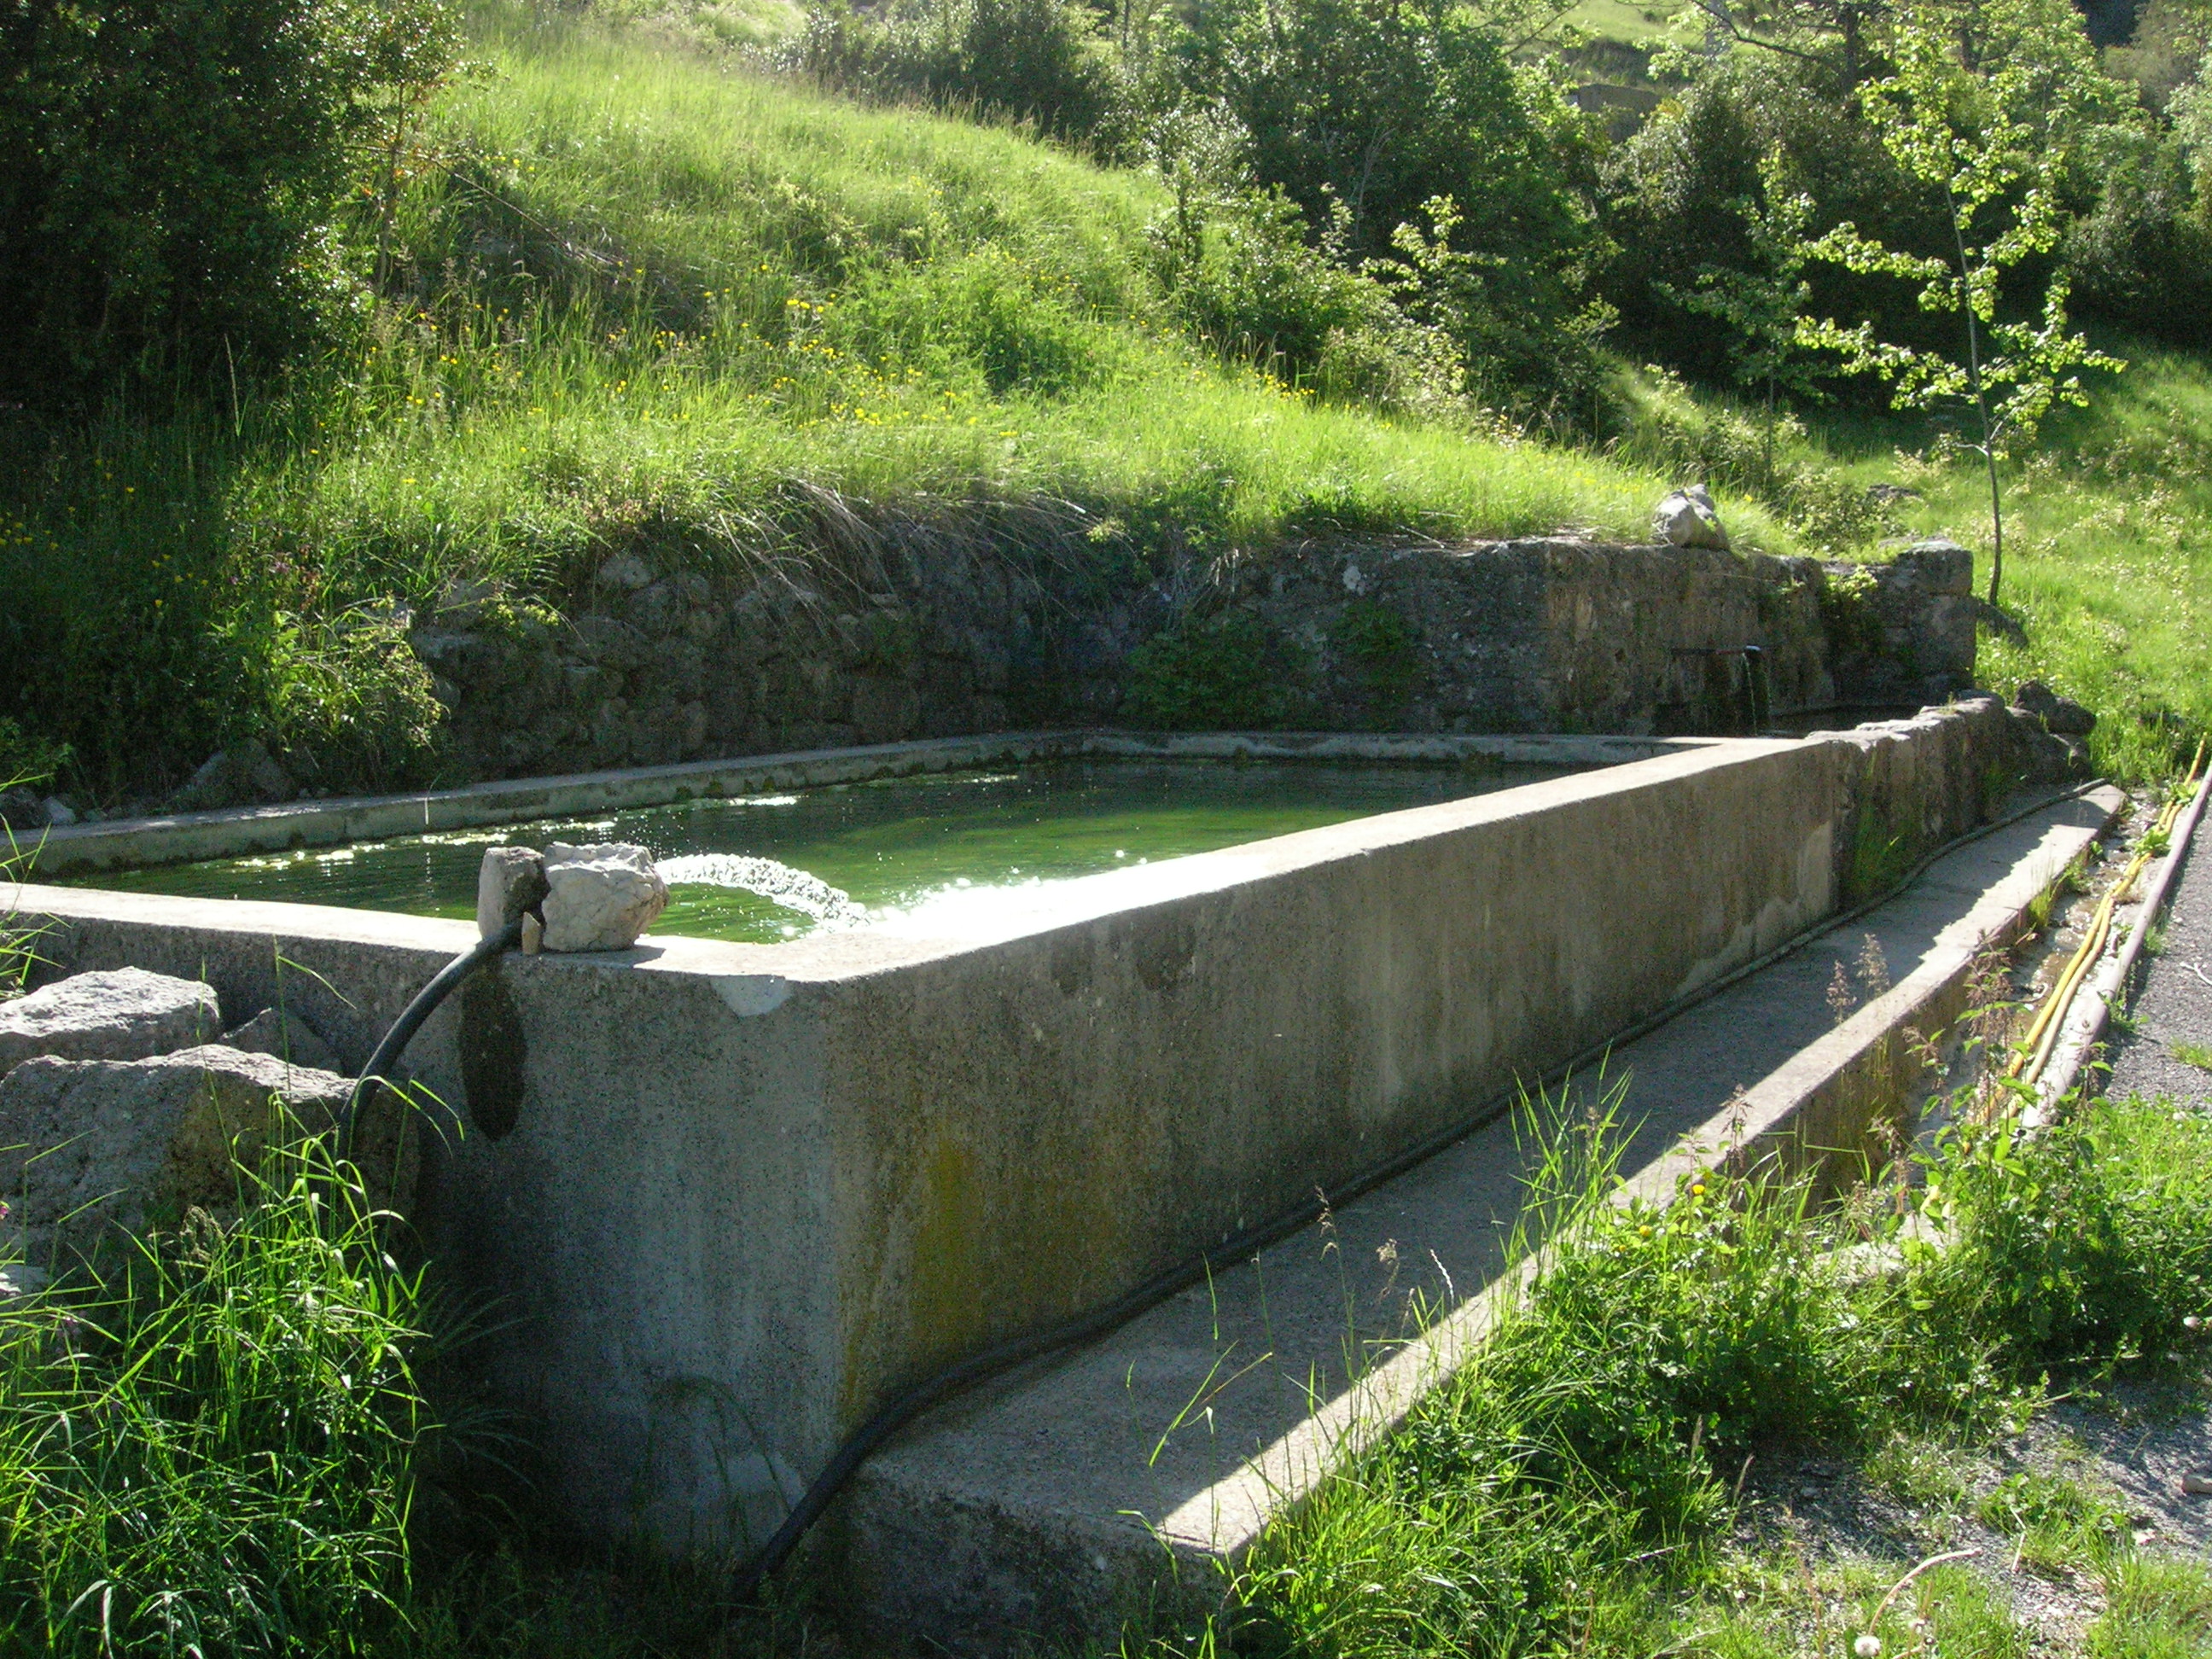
1216	673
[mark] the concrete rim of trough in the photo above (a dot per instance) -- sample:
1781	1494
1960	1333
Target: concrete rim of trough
183	837
1796	1117
758	976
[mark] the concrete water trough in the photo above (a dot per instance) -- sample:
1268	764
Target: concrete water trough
728	1197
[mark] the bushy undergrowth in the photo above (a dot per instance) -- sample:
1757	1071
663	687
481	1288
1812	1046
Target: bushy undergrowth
221	1443
1568	1489
2082	1244
638	301
1046	61
177	174
212	1446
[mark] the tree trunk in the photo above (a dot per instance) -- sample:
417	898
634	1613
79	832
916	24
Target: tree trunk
1981	397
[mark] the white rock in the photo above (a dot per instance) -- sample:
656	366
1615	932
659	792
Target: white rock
280	1032
91	1142
1688	518
510	882
125	1013
59	814
599	898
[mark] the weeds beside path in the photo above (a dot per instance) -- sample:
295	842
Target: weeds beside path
1713	1429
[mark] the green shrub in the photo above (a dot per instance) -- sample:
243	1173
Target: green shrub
349	704
2080	1242
27	758
2139	252
1241	275
1374	113
1378	652
985	321
1043	61
1676	192
1224	673
175	172
212	1449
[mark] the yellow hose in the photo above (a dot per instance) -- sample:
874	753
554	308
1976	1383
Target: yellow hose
2035	1049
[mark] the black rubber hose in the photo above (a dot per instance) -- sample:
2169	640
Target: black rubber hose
424	1004
890	1418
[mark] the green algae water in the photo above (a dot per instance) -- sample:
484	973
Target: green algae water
767	868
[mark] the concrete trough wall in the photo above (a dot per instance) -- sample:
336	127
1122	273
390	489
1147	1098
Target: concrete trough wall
730	1196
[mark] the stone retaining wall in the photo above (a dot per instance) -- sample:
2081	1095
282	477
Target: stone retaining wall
1544	635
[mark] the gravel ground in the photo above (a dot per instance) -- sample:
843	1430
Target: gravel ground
2172	1000
2129	1447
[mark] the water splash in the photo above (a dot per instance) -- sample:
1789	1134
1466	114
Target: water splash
795	890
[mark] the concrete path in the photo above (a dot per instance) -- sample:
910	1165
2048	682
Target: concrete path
1042	1502
2172	992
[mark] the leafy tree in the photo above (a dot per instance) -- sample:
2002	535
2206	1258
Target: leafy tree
1369	109
1379	106
1757	304
1046	61
1979	115
1696	203
174	173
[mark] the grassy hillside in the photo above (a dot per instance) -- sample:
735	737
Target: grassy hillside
2108	561
656	306
640	300
2107	566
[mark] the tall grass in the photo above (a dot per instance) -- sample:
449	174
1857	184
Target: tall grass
2113	577
1572	1488
703	289
212	1446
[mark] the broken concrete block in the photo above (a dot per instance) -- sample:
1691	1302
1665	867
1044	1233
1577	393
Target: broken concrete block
510	883
280	1032
86	1144
1688	518
599	898
124	1014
